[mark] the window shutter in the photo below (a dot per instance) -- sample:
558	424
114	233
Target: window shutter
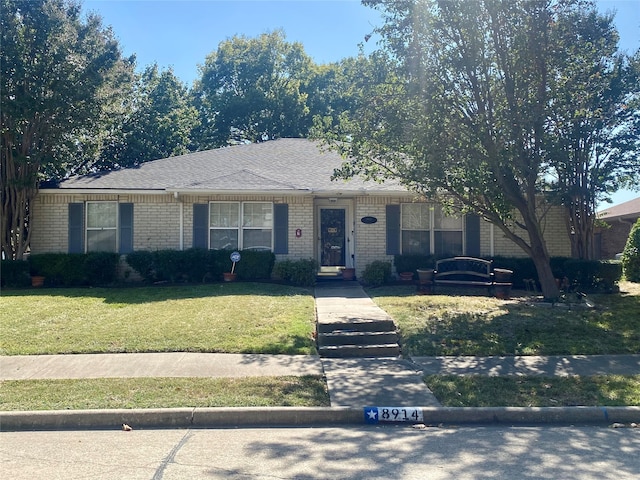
200	225
126	227
393	229
472	234
281	228
76	228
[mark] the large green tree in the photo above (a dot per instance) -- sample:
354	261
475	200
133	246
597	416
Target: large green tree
60	74
159	122
250	89
594	123
465	116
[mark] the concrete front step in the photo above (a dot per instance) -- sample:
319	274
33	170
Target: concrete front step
350	337
341	351
357	326
358	338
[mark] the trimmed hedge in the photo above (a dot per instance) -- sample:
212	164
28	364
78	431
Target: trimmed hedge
197	265
411	263
75	269
377	273
301	273
15	274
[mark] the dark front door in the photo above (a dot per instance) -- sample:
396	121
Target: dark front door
332	237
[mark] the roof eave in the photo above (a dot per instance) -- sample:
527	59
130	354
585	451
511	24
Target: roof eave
104	191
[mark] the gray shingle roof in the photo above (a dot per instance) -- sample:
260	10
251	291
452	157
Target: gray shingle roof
288	164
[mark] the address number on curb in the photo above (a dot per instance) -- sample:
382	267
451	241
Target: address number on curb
392	414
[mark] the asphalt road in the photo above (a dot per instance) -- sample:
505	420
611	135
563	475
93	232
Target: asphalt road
366	452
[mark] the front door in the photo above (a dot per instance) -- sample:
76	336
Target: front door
333	236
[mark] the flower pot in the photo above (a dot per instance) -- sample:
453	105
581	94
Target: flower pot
406	276
502	275
37	280
425	276
502	291
229	277
348	273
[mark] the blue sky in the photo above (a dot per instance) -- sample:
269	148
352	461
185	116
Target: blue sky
181	33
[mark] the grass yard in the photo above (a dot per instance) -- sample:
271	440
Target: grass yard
476	391
111	393
268	318
227	317
457	323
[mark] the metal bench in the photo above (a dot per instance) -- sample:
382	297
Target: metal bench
472	272
463	271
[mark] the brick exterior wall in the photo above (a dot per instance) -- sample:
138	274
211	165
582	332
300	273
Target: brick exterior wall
554	232
157	224
612	240
371	239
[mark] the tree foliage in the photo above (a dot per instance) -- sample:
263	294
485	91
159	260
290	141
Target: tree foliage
159	122
59	74
465	114
594	121
251	90
631	255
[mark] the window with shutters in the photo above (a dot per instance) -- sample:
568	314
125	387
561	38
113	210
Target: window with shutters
426	230
101	227
241	225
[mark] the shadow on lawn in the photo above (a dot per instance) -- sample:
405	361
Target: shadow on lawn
160	293
520	326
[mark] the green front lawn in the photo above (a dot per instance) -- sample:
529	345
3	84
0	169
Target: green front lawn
476	391
227	317
459	323
268	318
102	393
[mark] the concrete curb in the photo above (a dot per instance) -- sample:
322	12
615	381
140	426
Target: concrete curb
304	416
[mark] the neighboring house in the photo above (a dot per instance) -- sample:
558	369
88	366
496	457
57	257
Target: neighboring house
610	240
277	195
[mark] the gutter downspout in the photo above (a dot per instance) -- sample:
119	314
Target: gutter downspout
176	195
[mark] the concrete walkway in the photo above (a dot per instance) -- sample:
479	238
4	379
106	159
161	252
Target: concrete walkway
366	381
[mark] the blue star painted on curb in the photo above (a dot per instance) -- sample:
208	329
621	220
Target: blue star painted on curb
371	414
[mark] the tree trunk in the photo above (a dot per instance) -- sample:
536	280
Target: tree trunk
536	248
19	187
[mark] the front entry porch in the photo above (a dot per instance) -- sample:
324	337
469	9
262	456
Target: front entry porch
335	237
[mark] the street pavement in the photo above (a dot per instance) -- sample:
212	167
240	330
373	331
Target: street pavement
358	453
353	383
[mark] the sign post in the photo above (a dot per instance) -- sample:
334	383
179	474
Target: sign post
235	257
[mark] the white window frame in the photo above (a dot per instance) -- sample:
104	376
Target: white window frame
435	230
241	227
431	226
407	228
87	229
247	227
